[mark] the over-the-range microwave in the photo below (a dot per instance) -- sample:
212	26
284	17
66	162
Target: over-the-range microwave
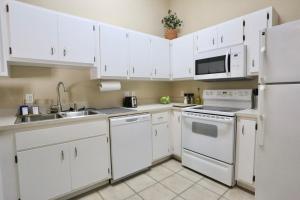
226	63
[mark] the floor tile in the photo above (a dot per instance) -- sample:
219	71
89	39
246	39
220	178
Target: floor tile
116	192
197	192
134	197
140	182
173	165
238	194
159	172
93	196
213	186
177	183
158	192
191	175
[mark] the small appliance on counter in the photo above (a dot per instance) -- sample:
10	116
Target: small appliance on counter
130	102
188	98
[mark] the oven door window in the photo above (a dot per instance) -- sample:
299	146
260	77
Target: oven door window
210	65
205	129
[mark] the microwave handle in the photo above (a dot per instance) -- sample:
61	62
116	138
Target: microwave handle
226	61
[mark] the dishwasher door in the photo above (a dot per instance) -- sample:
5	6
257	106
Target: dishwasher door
131	145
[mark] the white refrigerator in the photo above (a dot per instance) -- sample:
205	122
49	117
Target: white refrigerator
278	137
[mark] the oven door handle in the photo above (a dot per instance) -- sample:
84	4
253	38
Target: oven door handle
226	62
225	120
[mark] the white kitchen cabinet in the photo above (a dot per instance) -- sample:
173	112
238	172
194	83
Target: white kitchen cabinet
3	63
160	57
245	150
161	141
175	123
76	39
32	32
140	59
89	161
182	57
230	33
205	39
44	172
114	52
254	23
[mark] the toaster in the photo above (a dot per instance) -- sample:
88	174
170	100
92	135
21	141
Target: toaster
130	102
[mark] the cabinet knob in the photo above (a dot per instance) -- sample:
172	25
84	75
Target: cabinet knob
65	52
253	63
52	51
105	68
133	70
62	155
222	39
213	41
75	152
243	129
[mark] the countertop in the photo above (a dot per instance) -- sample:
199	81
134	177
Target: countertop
8	118
249	113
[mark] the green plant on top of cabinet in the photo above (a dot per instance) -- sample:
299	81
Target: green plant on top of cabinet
254	23
38	35
160	57
182	58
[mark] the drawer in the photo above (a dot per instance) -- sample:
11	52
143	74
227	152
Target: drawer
60	134
160	117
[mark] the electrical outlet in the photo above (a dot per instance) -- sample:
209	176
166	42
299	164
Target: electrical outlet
29	98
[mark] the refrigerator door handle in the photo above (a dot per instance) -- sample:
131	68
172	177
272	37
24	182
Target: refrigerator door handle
261	116
262	52
263	40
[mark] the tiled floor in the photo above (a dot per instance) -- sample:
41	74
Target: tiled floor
168	181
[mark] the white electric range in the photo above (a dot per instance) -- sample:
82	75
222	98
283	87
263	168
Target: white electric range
209	132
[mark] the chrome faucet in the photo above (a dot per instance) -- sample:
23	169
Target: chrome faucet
58	95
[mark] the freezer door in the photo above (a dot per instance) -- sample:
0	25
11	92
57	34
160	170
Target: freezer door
278	156
280	58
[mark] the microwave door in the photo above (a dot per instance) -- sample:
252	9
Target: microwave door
211	68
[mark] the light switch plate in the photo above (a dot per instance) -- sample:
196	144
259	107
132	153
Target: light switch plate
29	98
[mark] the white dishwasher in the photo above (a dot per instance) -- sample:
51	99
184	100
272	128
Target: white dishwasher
131	144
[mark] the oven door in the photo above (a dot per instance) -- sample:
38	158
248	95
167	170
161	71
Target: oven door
209	135
213	65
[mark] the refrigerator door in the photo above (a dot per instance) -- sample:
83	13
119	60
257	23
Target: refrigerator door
280	47
278	155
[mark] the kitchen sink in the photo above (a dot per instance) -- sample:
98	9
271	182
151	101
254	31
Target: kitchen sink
77	114
35	118
43	117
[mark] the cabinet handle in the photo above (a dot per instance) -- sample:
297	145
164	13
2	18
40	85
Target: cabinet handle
105	68
155	71
133	70
65	52
213	41
62	155
76	152
52	51
243	128
155	132
178	118
222	39
253	64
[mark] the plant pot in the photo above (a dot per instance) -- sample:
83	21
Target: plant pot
170	34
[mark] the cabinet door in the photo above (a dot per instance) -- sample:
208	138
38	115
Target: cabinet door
44	172
89	161
230	33
33	32
160	56
114	51
76	39
182	57
246	134
205	40
140	59
161	141
254	23
176	132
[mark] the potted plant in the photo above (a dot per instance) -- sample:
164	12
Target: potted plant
171	23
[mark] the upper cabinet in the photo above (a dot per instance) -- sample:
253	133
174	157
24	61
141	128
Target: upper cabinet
230	33
3	63
32	32
38	35
114	52
223	35
182	59
76	39
140	59
254	23
160	57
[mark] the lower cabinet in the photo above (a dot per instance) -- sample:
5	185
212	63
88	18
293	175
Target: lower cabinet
245	150
161	135
46	172
175	123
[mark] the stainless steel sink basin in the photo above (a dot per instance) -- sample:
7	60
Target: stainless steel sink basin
35	118
77	114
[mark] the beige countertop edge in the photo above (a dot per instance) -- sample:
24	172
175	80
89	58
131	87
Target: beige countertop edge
8	122
249	113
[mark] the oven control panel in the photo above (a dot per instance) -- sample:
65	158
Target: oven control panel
228	94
